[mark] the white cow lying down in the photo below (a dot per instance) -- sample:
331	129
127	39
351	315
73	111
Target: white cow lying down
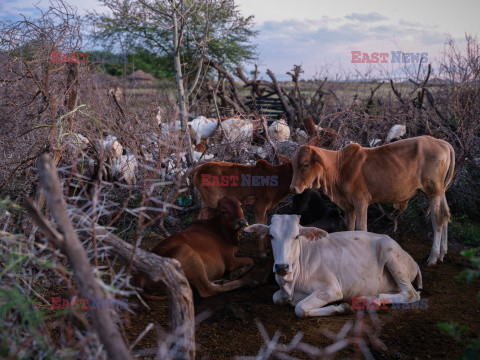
314	268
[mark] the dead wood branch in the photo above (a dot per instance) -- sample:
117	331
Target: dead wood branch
71	246
209	88
372	92
424	82
278	89
267	136
258	86
397	94
160	269
230	79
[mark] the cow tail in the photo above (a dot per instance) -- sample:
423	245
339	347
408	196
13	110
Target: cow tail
451	169
444	209
418	278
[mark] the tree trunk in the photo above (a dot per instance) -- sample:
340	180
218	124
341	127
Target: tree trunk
182	100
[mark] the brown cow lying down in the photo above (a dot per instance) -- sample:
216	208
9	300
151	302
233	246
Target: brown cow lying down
314	268
206	251
355	177
262	184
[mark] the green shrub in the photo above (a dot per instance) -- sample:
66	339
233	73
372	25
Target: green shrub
23	333
471	350
465	231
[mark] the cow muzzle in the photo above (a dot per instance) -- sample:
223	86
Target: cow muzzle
281	269
241	224
295	190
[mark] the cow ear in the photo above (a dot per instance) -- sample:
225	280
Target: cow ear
249	200
260	229
314	141
283	159
206	213
318	158
312	233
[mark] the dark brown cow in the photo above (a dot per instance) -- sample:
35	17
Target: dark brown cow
314	213
355	177
326	138
262	184
310	127
206	251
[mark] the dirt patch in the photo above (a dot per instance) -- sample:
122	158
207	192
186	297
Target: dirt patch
231	328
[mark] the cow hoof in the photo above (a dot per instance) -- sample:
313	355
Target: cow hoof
300	312
235	274
345	309
431	263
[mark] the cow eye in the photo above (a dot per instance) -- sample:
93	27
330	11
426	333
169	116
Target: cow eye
269	236
296	237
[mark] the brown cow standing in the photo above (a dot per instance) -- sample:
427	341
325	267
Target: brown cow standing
262	184
206	251
355	177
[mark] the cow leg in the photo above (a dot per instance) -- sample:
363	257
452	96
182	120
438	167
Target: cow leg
406	293
261	218
313	305
239	266
401	206
333	310
361	217
206	288
196	273
210	289
280	297
437	222
446	214
350	217
396	298
444	242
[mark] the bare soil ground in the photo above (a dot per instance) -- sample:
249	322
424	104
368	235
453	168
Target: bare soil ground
231	328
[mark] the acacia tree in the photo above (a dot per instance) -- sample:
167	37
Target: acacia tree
185	30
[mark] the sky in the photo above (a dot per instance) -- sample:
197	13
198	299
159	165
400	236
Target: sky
321	35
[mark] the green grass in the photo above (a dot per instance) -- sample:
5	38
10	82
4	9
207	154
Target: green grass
465	231
23	330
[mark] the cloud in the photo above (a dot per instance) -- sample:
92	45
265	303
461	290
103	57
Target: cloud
370	17
11	9
330	41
